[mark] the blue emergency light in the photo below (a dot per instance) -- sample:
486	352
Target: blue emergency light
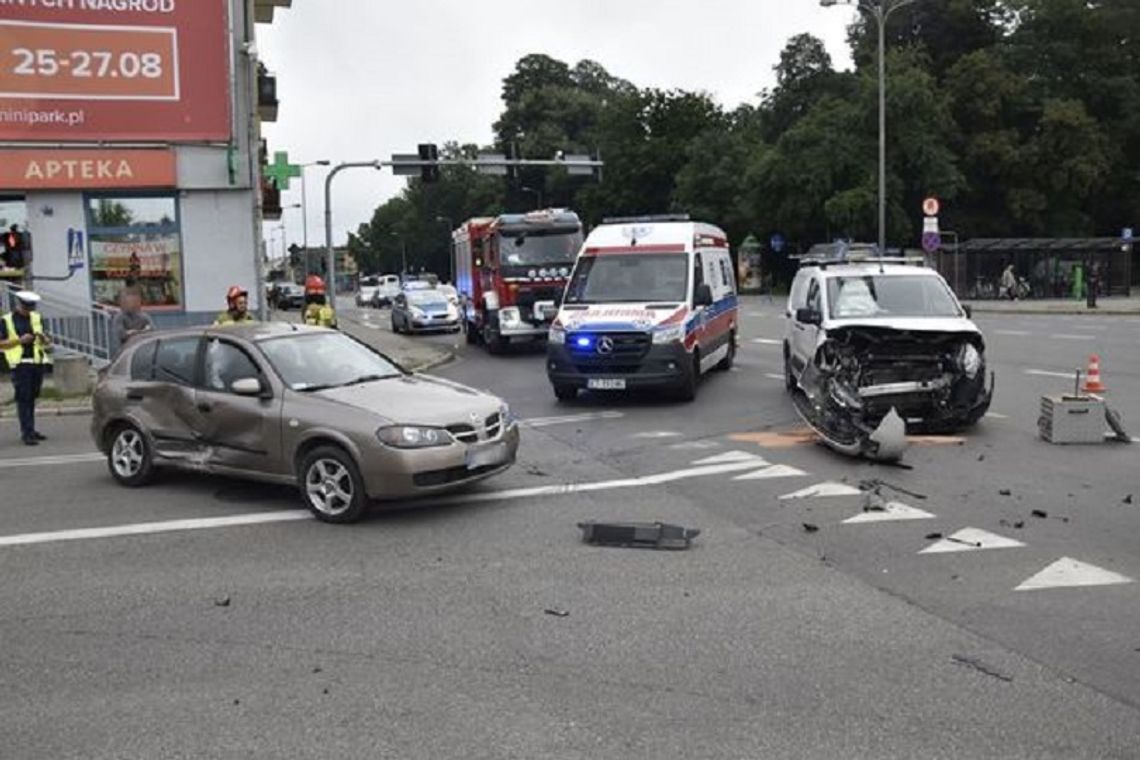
583	342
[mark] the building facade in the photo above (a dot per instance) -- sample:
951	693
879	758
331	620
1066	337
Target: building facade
130	149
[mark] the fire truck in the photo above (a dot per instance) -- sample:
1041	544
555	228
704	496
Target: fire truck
511	271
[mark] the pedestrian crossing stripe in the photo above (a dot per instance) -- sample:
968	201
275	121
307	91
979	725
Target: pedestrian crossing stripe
775	471
971	540
893	510
821	490
1069	573
730	457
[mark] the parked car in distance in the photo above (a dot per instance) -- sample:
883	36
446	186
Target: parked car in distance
424	310
366	291
299	405
387	289
290	295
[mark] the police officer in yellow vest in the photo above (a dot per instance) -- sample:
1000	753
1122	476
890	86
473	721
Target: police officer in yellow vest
317	310
27	350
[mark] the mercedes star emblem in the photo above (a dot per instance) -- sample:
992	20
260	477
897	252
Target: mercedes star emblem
605	345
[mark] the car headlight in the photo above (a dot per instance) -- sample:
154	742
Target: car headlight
506	415
970	360
510	316
413	437
418	313
557	335
671	334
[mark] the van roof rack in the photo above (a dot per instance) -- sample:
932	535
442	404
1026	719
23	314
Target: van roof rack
647	219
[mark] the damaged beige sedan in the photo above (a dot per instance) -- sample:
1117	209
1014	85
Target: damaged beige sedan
289	404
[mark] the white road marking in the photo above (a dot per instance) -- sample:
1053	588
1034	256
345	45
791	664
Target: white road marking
1048	373
1066	336
757	314
298	514
971	540
894	510
1012	332
52	460
657	435
538	422
996	416
766	342
770	473
1068	572
732	456
774	376
820	490
695	446
168	526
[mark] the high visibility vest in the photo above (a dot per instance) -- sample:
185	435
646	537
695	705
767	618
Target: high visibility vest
320	315
226	318
15	355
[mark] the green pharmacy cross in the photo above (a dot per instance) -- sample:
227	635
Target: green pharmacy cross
281	171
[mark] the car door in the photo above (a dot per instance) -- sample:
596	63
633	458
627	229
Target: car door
804	335
160	393
237	432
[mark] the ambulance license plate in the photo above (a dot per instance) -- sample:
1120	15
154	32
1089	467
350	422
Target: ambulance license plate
486	456
606	384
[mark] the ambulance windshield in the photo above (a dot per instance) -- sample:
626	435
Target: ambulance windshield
633	278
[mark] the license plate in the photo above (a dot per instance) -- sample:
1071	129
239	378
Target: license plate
606	384
486	456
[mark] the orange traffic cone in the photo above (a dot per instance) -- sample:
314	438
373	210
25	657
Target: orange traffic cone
1093	383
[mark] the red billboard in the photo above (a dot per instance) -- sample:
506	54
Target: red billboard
115	70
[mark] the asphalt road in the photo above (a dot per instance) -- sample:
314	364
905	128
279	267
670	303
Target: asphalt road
425	632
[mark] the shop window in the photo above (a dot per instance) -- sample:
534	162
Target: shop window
136	241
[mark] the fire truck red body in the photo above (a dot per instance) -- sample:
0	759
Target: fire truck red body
511	271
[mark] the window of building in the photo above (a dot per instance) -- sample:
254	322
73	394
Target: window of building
136	240
15	249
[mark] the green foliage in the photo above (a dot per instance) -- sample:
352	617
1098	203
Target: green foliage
1022	115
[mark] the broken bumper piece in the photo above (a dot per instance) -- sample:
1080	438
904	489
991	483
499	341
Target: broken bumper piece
638	535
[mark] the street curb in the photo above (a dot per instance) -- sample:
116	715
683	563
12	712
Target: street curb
48	411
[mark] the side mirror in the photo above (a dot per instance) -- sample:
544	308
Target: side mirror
809	317
969	311
703	296
247	386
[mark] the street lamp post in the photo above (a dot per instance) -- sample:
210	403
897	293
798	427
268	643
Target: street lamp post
305	209
403	254
880	10
331	273
450	258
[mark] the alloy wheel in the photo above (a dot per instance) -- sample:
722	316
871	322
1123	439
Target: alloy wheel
328	486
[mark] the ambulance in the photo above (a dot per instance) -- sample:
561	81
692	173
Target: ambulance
651	305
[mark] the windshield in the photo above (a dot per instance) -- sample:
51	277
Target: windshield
311	361
539	247
369	282
426	297
874	296
630	278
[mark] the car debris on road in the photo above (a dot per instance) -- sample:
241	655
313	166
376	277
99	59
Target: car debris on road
639	535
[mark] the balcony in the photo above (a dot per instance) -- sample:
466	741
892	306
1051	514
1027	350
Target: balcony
266	95
263	9
270	201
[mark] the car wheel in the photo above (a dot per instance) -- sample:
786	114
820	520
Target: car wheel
331	486
687	391
494	342
130	458
725	364
564	392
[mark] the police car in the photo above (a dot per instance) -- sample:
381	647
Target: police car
865	335
651	304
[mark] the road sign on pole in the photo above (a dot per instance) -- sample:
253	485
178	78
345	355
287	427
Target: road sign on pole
930	224
931	241
777	242
931	206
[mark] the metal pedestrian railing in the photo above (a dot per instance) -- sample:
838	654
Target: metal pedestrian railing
75	328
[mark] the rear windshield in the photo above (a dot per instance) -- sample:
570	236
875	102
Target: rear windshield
881	296
630	278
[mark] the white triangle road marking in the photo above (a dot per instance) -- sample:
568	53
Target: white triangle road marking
695	446
657	435
775	471
894	510
971	540
823	489
1068	572
731	456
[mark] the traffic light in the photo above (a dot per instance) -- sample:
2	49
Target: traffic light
429	152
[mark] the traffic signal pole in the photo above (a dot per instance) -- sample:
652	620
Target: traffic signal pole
404	165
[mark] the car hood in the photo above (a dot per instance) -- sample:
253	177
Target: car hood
415	399
909	324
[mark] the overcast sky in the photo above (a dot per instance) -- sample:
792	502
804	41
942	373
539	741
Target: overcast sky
362	79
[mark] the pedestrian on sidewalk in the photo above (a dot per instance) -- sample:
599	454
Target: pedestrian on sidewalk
131	319
1008	284
27	349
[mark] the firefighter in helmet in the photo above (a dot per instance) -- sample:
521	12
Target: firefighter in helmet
237	308
317	312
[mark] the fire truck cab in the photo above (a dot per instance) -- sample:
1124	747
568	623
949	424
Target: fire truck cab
510	272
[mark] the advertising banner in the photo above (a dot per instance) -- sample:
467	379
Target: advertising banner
150	262
26	170
114	70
